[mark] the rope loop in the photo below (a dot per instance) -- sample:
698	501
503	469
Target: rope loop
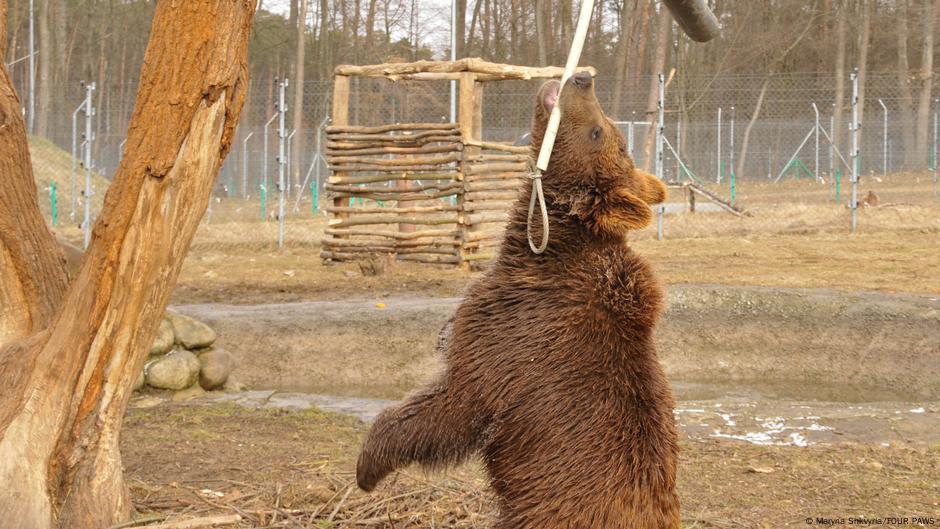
538	195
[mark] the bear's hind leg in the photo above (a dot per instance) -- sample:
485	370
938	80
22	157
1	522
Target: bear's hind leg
433	428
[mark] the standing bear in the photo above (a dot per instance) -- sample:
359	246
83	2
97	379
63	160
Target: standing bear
551	371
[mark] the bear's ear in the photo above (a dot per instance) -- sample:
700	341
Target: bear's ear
613	213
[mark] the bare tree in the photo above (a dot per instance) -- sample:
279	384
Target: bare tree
298	109
904	82
931	12
663	31
69	358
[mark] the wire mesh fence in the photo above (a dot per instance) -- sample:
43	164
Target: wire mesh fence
763	128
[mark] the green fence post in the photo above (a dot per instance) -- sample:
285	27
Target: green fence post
734	187
264	209
838	184
54	205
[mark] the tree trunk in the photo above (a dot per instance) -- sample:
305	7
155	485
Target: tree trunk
864	43
461	29
298	115
663	28
66	386
32	268
904	82
44	90
541	28
931	12
623	46
838	110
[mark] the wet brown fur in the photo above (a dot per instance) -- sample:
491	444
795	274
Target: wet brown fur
551	373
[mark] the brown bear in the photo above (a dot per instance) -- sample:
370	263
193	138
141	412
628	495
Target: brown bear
551	372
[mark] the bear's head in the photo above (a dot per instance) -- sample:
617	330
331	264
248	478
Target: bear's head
590	176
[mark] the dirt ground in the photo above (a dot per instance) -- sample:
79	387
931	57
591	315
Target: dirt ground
279	468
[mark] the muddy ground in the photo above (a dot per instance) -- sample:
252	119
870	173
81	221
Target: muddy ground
816	343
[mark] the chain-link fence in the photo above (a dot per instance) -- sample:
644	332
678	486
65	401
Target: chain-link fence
764	127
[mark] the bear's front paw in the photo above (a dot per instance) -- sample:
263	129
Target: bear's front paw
369	471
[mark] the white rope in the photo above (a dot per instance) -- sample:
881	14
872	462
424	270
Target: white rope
548	141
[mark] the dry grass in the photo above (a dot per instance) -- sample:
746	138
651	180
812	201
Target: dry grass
795	235
289	469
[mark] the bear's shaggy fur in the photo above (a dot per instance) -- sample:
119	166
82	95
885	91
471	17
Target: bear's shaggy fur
551	372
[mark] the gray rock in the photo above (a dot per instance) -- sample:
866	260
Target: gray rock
190	333
164	340
176	370
216	366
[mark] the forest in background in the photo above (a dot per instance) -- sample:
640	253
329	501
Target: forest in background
773	58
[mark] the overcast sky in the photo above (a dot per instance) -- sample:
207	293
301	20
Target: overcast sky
433	22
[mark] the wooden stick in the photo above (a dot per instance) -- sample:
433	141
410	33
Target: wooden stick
486	217
485	235
395	162
490	195
388	169
350	256
448	135
470	64
446	186
511	175
393	244
413	209
453	147
497	168
396	250
401	235
493	186
341	143
503	147
197	523
388	128
500	205
360	220
371	179
496	158
397	196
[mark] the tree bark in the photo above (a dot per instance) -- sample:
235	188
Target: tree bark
659	64
66	386
838	110
298	115
45	58
32	267
931	12
864	43
904	82
541	29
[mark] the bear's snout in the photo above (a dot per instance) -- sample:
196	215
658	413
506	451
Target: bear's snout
582	79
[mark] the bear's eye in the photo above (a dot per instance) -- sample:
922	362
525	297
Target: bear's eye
595	133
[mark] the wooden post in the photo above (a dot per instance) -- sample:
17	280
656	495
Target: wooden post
340	117
470	124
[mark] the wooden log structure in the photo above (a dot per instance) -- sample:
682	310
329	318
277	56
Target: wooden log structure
433	193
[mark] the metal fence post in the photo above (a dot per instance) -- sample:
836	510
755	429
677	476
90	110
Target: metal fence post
816	132
733	177
88	163
884	152
660	126
718	154
245	164
855	149
935	150
73	190
281	161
